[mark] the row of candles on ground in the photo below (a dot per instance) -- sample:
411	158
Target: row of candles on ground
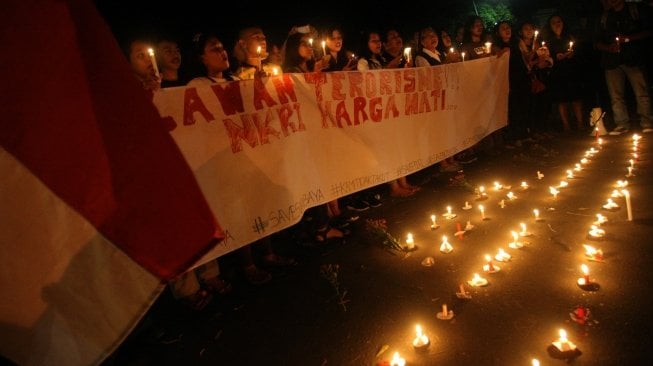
562	344
421	342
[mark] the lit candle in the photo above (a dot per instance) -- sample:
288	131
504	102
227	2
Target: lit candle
469	226
577	167
497	186
621	183
592	253
153	60
563	344
407	54
275	71
536	212
632	163
488	47
481	191
502	256
524	185
310	42
600	219
535	38
449	215
571	46
397	360
434	223
477	281
523	231
410	243
467	206
539	175
480	207
535	362
554	192
635	156
563	184
628	206
610	205
600	141
570	174
616	194
584	161
324	48
451	50
260	62
636	137
595	232
502	204
630	172
515	244
421	341
585	280
489	267
543	44
511	196
445	247
463	55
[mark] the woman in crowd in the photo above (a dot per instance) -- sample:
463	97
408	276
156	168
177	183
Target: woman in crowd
519	86
341	60
211	54
566	75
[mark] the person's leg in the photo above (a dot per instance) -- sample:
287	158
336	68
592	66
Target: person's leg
209	275
615	80
564	115
640	89
396	189
577	106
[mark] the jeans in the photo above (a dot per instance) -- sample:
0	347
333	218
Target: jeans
616	81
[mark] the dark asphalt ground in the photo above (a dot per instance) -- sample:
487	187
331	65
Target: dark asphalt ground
297	319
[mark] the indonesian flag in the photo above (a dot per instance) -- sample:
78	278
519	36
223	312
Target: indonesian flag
98	207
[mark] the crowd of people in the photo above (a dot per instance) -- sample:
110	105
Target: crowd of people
550	68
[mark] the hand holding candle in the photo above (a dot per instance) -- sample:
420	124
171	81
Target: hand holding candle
407	54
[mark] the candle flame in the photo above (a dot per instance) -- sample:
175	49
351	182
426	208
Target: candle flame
590	250
563	335
481	208
418	331
535	362
449	210
514	234
523	227
433	219
481	189
150	51
451	50
625	193
488	258
409	238
585	269
536	212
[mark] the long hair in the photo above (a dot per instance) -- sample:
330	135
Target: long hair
469	23
291	58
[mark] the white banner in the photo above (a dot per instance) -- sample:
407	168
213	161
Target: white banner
265	150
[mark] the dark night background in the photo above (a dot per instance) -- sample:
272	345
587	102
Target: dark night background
185	18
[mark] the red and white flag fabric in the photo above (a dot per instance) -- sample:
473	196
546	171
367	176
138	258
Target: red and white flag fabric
98	207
